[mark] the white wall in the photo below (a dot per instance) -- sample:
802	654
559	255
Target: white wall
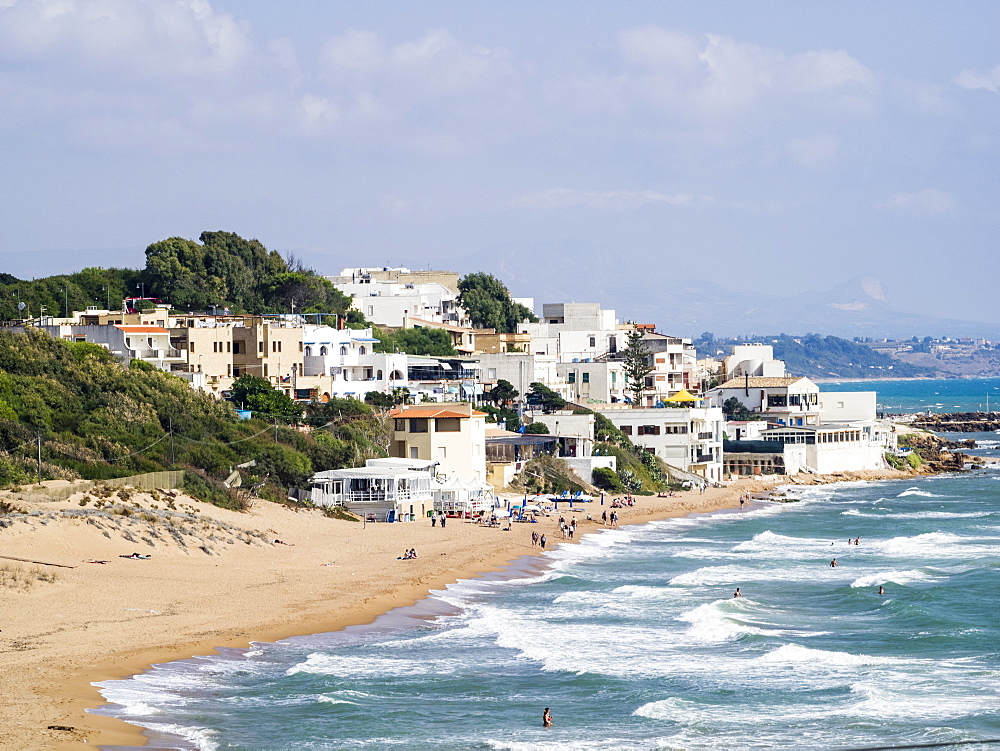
847	406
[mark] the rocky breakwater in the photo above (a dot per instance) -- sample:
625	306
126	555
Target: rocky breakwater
958	422
937	454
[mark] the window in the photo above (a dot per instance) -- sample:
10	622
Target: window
448	425
323	351
215	346
236	348
626	429
572	376
260	346
614	377
414	452
648	430
236	372
593	341
343	351
400	424
491	374
300	346
379	375
442	452
190	346
586	377
265	370
229	346
418	424
361	350
309	351
675	429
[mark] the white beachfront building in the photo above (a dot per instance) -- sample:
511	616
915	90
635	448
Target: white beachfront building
686	438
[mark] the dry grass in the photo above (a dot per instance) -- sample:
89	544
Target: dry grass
22	578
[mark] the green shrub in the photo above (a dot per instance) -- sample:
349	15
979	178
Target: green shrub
914	460
607	479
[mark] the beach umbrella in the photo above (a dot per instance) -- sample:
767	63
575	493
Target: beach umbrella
683	396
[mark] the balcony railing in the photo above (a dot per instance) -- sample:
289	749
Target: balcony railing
706	436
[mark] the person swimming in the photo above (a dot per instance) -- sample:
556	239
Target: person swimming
881	589
737	593
546	719
833	563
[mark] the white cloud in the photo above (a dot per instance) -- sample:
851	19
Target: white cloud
611	200
158	37
436	63
974	79
926	201
818	152
717	75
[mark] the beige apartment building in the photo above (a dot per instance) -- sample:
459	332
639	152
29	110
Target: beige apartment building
453	435
224	348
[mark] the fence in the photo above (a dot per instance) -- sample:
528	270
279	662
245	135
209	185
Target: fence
147	481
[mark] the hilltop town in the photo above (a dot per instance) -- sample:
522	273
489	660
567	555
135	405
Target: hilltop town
465	391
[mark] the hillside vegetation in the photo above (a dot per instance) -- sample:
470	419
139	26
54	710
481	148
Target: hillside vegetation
816	356
222	270
98	420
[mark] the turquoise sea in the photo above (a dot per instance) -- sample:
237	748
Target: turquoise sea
634	640
937	395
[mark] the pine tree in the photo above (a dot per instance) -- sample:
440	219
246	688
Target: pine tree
636	366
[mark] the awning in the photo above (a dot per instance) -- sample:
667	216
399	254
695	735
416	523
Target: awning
683	396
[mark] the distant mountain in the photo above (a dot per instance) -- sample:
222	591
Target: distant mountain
679	303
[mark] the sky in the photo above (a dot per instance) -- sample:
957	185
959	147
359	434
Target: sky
784	147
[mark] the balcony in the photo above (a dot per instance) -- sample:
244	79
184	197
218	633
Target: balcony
706	436
705	458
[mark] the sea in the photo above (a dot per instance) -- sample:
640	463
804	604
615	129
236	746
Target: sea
634	640
908	396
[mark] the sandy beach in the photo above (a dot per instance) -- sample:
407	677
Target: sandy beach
217	578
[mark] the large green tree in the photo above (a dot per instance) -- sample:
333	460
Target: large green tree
226	270
502	394
487	301
256	394
636	366
541	395
416	341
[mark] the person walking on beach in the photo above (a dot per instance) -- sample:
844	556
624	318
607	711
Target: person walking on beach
434	519
444	518
534	538
604	518
542	541
546	719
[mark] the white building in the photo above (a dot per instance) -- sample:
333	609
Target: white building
386	493
785	401
389	303
755	360
147	342
687	438
342	362
823	449
574	331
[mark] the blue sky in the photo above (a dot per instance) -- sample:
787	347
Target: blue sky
779	146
